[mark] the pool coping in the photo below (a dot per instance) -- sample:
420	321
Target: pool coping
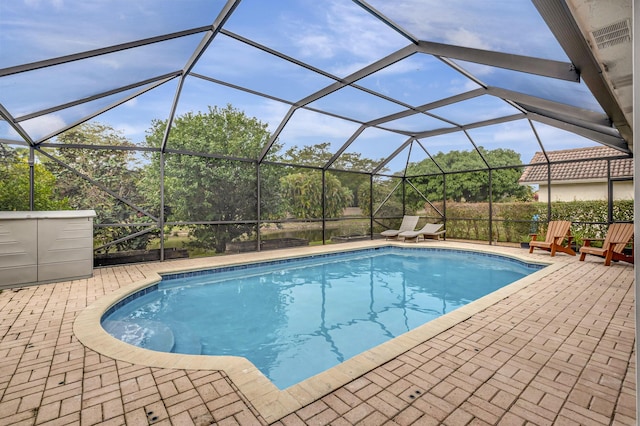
271	402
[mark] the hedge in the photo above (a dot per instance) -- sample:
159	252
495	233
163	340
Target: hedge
513	222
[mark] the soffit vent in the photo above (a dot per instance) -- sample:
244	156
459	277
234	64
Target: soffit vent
611	35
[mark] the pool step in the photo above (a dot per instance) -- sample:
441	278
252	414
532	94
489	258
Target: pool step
186	342
143	333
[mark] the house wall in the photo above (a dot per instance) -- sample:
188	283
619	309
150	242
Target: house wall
586	191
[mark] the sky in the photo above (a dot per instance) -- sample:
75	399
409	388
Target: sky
329	39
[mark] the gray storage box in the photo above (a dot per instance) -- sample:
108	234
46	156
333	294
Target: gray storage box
39	247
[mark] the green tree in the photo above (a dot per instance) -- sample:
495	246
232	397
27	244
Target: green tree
14	184
381	190
117	170
505	181
303	195
351	162
203	189
315	155
470	186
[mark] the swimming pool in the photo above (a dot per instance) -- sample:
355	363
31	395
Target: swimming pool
294	318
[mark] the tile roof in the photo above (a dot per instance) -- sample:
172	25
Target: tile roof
581	170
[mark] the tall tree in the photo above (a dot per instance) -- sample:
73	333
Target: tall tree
351	162
303	195
206	189
117	170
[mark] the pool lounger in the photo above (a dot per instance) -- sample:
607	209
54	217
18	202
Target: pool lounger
408	224
430	230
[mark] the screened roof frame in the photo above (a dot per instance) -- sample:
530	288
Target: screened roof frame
562	24
590	124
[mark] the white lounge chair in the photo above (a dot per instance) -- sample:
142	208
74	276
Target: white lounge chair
408	224
430	230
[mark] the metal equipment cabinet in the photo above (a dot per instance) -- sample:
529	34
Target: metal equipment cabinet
45	246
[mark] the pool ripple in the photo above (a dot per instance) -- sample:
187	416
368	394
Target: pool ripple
152	335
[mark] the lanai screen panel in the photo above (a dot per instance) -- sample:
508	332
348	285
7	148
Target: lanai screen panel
554	139
36	31
509	143
235	62
575	94
316	75
35	90
7	132
199	96
371	148
295	51
355	104
416	124
43	126
475	110
509	27
418	80
311	138
134	117
335	36
452	152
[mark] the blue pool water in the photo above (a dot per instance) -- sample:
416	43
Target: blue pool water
295	318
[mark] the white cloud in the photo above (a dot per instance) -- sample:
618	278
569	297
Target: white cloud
445	22
109	62
34	4
477	70
344	33
410	64
506	26
7	132
464	37
270	112
43	126
554	139
131	103
305	124
467	85
132	131
512	134
315	45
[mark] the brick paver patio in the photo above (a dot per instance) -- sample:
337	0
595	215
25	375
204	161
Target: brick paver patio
560	351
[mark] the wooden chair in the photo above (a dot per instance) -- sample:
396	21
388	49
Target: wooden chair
557	232
617	238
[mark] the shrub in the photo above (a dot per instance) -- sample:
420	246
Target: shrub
513	222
